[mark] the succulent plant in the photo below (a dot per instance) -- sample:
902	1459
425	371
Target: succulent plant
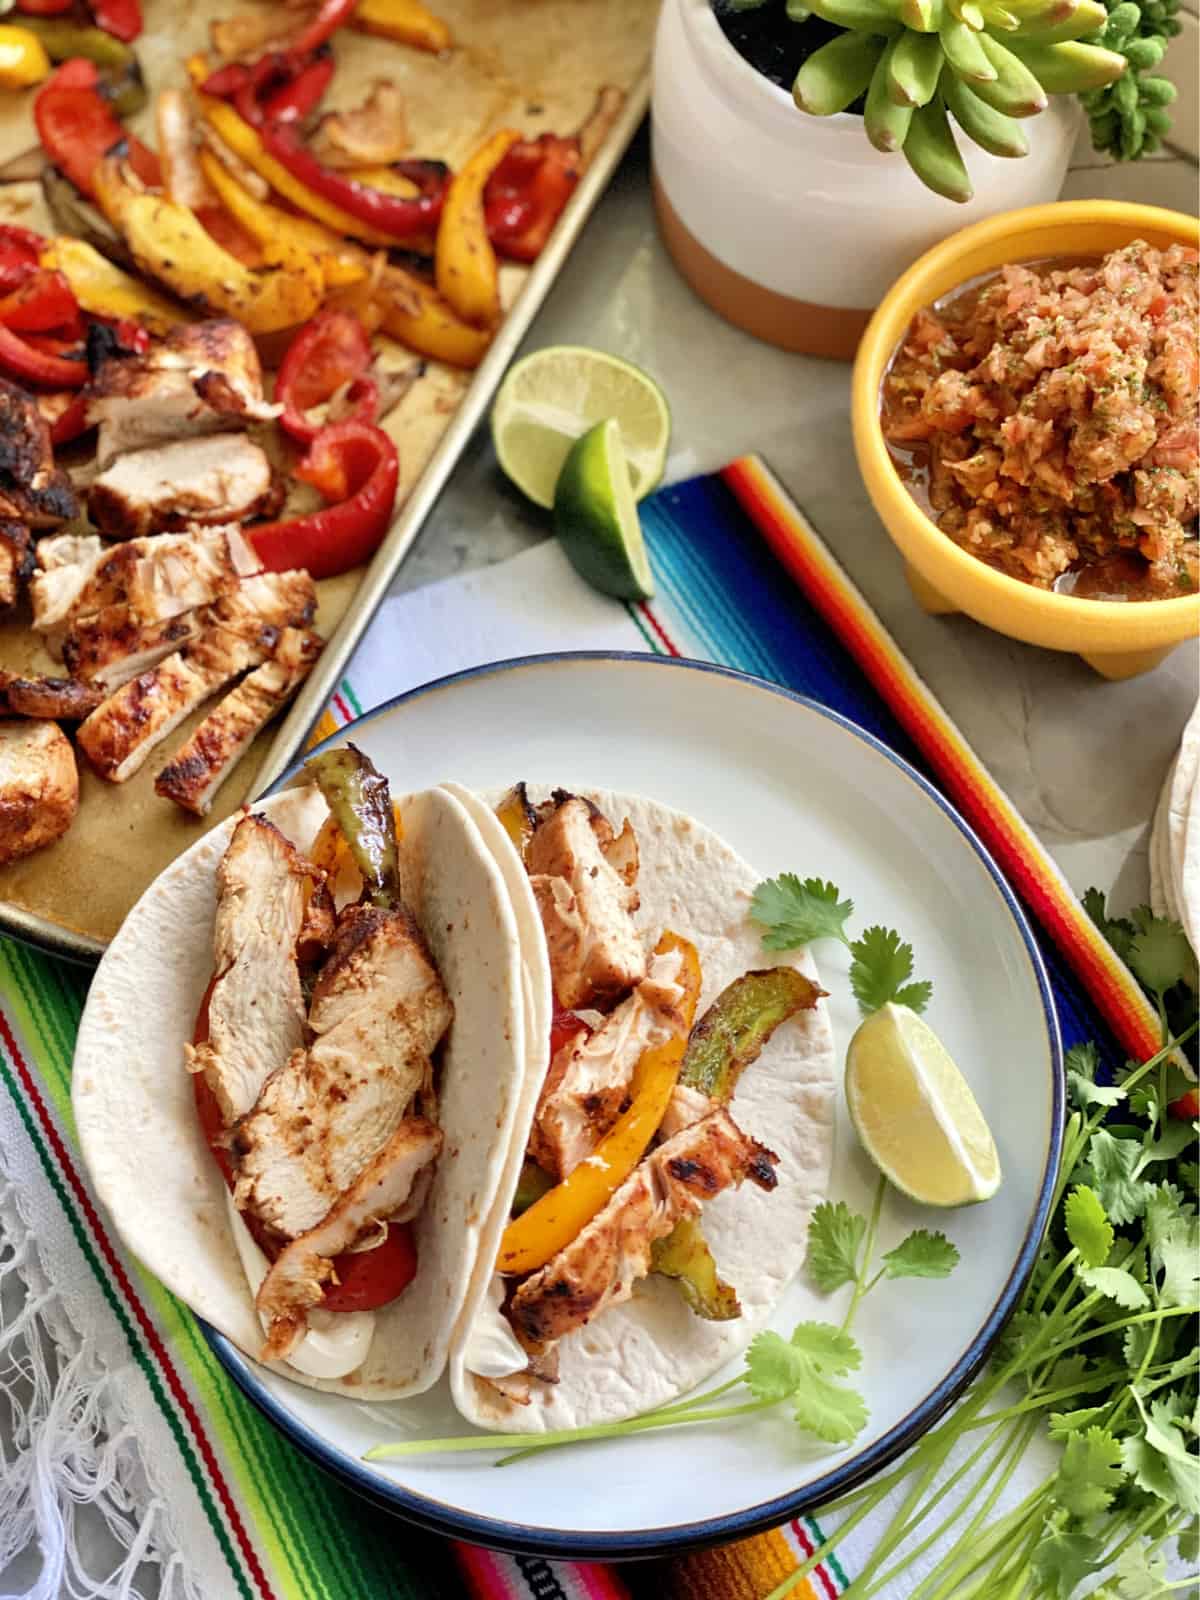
986	64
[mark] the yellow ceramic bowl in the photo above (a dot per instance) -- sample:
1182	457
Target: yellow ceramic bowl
1118	638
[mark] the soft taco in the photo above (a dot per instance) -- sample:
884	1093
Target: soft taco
656	1197
298	1074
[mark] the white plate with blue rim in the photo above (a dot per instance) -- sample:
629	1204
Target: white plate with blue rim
793	787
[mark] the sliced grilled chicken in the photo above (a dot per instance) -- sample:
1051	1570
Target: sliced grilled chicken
64	699
218	478
599	1268
201	378
39	787
588	1081
378	1010
256	1009
32	489
585	883
296	1282
238	631
17	562
198	769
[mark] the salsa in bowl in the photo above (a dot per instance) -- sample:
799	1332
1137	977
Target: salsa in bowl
1024	416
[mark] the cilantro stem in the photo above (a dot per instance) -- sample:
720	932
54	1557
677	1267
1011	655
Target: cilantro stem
1065	1265
1115	1327
531	1444
1039	1401
868	1251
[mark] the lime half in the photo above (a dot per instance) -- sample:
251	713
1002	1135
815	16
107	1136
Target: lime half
554	395
595	516
915	1113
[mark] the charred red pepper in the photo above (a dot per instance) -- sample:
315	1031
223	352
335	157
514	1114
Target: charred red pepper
33	363
121	18
71	421
400	217
329	18
564	1027
44	300
526	194
332	350
364	1280
20	252
355	467
77	126
303	94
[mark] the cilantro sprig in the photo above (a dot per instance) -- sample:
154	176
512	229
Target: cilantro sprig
794	911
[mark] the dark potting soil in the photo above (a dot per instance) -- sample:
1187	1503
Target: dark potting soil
767	38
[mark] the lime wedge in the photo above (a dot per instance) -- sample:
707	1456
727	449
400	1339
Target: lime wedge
551	397
595	516
915	1113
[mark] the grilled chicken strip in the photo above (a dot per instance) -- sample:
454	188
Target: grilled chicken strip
64	699
296	1282
599	1268
378	1010
201	378
585	883
239	631
256	1010
39	787
219	478
588	1081
113	645
17	562
33	490
198	768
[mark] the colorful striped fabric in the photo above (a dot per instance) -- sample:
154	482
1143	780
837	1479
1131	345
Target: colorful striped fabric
252	1515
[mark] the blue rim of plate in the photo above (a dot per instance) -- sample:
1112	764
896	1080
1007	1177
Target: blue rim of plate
524	1539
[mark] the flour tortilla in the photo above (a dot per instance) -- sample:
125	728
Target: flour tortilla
1162	901
137	1123
1182	833
653	1348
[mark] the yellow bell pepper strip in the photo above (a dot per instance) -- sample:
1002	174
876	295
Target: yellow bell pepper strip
105	290
171	244
559	1216
23	58
341	262
245	143
467	273
416	314
407	21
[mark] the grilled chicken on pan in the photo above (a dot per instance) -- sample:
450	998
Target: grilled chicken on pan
39	786
33	491
16	561
63	699
213	478
329	1114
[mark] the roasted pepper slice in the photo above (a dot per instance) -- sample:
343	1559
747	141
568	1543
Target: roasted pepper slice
331	14
357	465
560	1215
172	245
467	274
516	816
685	1256
104	290
406	20
416	314
330	352
43	301
340	261
531	1185
77	127
63	38
23	58
121	18
526	194
361	803
396	217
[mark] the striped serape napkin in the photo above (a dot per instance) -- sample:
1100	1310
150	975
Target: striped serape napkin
138	1469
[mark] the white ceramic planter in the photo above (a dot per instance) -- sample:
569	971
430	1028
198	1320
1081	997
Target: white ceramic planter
793	226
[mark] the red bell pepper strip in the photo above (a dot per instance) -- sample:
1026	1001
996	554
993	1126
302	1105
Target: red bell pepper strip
303	94
20	252
43	301
526	194
44	8
355	465
330	17
279	87
400	217
20	358
332	350
121	18
71	422
77	126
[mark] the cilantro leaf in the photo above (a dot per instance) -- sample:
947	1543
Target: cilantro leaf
1089	1474
1116	1284
1177	1136
1178	1255
1113	1163
1082	1063
795	913
804	1368
1189	1174
1163	1437
1088	1229
774	1368
922	1255
1063	1560
1140	1572
835	1234
1064	1423
829	1348
832	1411
1187	1543
1160	955
1119	931
880	970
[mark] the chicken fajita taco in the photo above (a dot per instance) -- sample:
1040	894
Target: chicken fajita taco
665	1164
299	1072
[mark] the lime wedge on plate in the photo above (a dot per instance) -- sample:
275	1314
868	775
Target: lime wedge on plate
915	1113
595	516
554	395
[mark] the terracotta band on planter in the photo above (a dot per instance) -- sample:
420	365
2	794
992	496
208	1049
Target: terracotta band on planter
799	325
